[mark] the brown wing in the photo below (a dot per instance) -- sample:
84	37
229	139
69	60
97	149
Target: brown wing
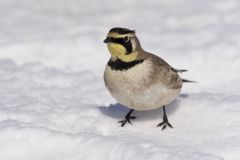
164	73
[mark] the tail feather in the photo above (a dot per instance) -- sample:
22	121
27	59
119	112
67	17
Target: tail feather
182	70
188	81
179	70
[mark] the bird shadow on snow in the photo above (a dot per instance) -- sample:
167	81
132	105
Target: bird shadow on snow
119	111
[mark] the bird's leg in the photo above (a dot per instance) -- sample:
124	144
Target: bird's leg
127	118
165	122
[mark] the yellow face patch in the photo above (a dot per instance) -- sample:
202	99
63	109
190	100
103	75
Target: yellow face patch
118	51
129	58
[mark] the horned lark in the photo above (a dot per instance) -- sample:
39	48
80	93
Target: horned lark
137	79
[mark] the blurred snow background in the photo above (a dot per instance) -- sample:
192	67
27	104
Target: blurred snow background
53	103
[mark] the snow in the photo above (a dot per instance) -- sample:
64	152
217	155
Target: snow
53	103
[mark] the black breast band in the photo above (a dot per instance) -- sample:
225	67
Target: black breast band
121	65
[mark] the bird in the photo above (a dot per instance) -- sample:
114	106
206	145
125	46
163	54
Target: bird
138	79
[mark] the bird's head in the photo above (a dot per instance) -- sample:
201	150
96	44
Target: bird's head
123	44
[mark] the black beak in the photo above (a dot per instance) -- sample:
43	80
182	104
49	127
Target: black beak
107	40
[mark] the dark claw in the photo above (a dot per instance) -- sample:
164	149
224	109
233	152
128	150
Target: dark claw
164	127
169	125
160	124
127	118
123	122
132	117
165	122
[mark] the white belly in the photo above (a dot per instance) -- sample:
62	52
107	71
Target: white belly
129	89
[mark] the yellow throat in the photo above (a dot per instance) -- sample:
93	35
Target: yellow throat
118	51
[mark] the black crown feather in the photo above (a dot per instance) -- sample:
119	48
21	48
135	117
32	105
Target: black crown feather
120	30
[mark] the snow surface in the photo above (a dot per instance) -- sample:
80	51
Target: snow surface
53	103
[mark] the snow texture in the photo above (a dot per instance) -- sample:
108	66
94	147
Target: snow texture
53	103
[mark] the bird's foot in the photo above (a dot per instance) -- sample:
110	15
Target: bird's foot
164	123
126	120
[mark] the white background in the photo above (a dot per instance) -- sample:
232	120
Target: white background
53	103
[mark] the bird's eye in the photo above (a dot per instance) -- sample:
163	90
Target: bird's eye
126	39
